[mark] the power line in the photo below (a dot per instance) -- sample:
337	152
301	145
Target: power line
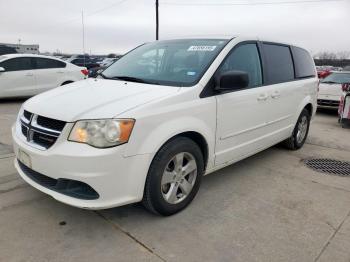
251	3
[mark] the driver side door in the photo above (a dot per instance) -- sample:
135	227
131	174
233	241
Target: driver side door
242	115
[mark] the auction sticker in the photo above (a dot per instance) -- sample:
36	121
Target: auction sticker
205	48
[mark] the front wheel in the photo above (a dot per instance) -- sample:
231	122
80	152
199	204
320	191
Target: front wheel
174	177
300	132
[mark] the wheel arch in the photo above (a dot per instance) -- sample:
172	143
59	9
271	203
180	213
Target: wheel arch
67	82
199	139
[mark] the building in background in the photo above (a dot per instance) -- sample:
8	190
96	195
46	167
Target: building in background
23	49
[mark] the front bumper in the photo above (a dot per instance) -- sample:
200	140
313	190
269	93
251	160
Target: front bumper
328	101
118	180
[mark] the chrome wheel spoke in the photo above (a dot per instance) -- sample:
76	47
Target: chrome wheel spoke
171	196
185	187
178	161
168	177
189	167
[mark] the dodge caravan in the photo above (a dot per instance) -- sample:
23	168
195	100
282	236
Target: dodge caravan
165	114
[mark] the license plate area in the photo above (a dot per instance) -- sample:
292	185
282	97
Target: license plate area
24	158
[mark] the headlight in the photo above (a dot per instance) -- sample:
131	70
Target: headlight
102	133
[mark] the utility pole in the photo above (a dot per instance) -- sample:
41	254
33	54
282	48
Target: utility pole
82	22
157	20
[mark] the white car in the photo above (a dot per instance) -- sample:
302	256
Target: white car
148	131
24	75
330	89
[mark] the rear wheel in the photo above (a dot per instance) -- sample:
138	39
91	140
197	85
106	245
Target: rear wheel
174	177
300	132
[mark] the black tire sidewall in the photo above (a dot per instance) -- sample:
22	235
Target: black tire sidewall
154	177
295	132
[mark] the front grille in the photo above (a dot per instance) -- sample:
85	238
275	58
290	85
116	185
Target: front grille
43	139
49	123
27	115
39	130
325	102
69	187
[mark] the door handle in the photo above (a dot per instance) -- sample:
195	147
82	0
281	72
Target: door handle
262	97
59	72
275	94
29	74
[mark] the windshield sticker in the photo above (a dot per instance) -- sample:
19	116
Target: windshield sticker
206	48
191	73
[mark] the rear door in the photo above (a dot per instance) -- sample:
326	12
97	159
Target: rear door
49	73
285	92
18	78
242	114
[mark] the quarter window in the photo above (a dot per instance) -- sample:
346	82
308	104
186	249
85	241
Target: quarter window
304	64
245	58
17	64
279	63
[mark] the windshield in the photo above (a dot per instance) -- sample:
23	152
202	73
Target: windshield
173	62
337	78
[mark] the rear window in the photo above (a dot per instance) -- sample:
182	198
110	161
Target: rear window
45	63
304	64
279	63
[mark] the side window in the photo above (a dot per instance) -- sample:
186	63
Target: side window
304	64
17	64
45	63
279	63
245	58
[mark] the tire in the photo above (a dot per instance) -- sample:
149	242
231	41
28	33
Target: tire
171	185
300	132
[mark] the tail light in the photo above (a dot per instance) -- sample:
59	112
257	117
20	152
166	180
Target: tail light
85	72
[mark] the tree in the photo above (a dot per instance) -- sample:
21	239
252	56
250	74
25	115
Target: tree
342	55
326	55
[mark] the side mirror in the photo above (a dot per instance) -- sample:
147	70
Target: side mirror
232	80
2	69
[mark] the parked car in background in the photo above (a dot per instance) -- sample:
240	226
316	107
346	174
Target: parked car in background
161	117
330	89
23	75
83	60
94	72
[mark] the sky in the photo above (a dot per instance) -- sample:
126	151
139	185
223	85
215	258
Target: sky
116	26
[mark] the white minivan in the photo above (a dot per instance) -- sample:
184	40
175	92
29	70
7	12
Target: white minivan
24	75
162	116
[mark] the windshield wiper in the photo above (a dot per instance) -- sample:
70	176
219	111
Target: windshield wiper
133	79
329	82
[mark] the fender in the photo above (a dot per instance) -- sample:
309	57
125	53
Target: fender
307	100
153	141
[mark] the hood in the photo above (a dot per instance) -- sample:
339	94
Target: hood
330	89
94	99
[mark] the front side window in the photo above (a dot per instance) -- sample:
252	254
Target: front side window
337	78
173	62
17	64
279	63
245	58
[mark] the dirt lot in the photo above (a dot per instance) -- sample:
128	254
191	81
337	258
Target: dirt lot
269	207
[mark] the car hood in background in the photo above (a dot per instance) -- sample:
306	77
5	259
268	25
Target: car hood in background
94	99
330	89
